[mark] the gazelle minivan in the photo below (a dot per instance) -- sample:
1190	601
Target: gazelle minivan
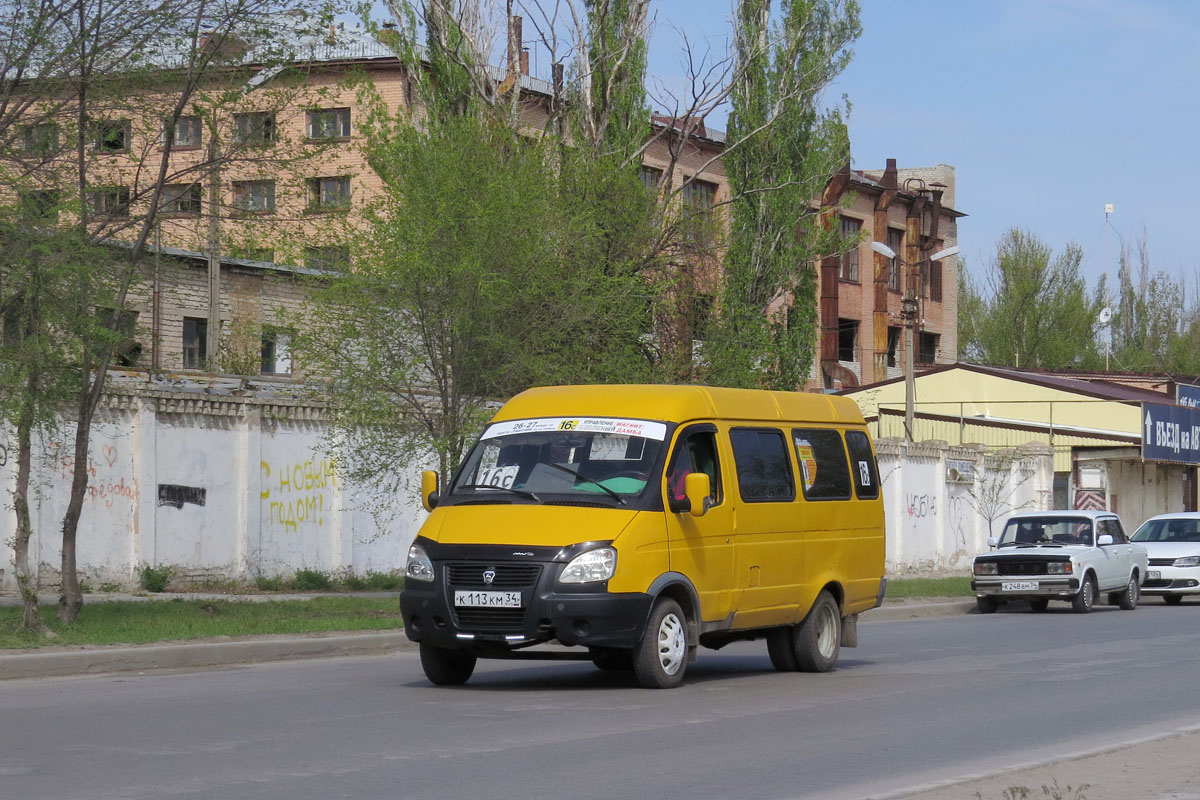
633	524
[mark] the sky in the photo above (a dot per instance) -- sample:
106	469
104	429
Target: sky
1047	109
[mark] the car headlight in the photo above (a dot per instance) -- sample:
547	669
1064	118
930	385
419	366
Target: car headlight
1059	568
594	565
419	567
986	568
1187	561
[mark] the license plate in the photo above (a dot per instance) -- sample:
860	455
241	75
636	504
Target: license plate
1153	575
1019	586
488	599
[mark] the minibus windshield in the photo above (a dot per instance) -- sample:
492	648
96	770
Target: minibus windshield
602	459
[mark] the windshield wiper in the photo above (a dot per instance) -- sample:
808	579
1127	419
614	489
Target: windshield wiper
570	471
517	492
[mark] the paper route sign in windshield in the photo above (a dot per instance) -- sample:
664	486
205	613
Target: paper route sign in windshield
628	427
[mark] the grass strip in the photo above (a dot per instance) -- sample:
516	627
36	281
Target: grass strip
130	622
900	588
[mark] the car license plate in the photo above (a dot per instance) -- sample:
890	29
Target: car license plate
1019	586
481	599
1153	575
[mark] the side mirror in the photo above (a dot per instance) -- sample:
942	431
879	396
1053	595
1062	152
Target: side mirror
1104	539
993	541
697	487
429	489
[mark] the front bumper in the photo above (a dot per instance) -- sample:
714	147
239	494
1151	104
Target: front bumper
1046	586
587	614
1172	580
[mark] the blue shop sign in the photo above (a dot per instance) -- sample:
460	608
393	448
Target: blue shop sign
1170	433
1187	395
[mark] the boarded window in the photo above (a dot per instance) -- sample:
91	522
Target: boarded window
850	232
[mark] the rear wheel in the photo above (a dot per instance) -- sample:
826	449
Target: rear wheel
781	649
660	658
1085	598
446	667
1172	599
819	638
1039	604
1128	599
986	605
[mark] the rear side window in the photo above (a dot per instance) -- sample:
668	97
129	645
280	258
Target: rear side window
862	465
763	469
822	459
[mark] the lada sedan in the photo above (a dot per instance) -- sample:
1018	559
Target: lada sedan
1173	544
1076	556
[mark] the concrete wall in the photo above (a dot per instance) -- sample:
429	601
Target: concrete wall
942	502
222	487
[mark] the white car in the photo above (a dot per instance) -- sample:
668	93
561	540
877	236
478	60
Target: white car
1077	556
1173	544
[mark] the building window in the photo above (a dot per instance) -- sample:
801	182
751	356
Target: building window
847	339
328	194
329	123
110	136
333	259
112	201
182	199
39	206
651	178
188	133
257	128
850	233
41	139
698	195
896	243
935	281
927	347
195	342
254	196
893	345
126	349
276	352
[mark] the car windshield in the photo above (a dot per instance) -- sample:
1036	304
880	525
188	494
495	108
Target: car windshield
1047	530
1168	530
604	460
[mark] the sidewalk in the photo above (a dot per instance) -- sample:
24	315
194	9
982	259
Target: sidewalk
60	661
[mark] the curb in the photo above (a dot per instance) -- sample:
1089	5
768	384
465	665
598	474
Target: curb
890	612
95	661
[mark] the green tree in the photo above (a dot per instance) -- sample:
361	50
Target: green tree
784	149
1029	308
1148	317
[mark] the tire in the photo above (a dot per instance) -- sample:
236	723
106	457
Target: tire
1128	599
781	647
660	658
986	605
611	659
1085	598
818	639
1039	604
446	667
1172	599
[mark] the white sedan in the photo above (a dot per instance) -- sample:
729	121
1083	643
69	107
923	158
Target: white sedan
1172	542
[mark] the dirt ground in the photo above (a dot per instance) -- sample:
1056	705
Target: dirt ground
1166	768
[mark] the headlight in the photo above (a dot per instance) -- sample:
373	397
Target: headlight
986	568
1059	568
1187	561
592	566
419	567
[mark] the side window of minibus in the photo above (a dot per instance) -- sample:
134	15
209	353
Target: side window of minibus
862	465
763	469
695	452
822	459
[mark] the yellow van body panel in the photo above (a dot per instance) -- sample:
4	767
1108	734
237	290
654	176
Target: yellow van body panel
550	526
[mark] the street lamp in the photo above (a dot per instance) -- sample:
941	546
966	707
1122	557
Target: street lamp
908	315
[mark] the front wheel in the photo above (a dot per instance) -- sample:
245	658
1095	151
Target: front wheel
660	658
1128	599
1172	599
1085	598
1039	604
986	605
819	638
446	667
611	659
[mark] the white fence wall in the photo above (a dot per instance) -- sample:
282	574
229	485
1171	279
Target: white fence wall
230	488
938	519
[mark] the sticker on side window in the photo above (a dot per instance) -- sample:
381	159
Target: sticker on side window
808	462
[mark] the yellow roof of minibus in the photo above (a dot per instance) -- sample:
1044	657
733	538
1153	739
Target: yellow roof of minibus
679	404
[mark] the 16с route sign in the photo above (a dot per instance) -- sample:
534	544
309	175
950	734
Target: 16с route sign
1170	433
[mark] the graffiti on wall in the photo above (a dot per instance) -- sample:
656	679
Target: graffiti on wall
921	505
298	493
106	484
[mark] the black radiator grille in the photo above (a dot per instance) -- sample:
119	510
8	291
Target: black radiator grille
1162	562
508	576
1022	567
492	619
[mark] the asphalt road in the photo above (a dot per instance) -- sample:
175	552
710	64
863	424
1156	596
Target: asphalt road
919	702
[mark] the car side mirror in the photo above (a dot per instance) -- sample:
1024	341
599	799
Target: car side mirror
993	541
429	489
697	487
1104	539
